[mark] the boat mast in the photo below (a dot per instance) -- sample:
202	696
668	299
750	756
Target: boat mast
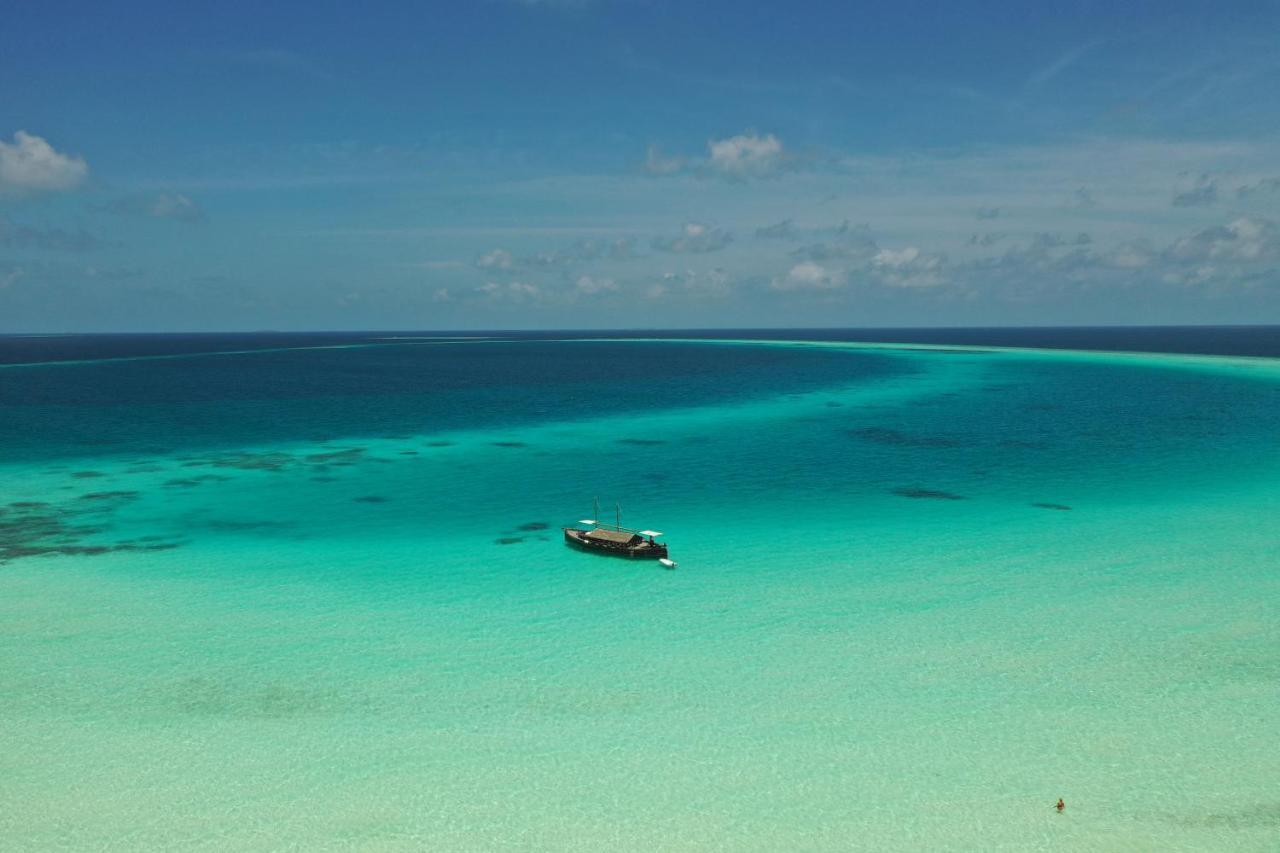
617	508
596	514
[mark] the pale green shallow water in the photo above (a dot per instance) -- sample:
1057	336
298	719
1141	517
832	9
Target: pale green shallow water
866	671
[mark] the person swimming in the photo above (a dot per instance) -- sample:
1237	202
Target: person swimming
1060	806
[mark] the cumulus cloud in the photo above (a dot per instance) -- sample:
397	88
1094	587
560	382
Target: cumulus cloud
174	206
735	158
591	285
30	164
808	275
714	283
746	156
513	291
1243	252
16	236
621	249
1203	194
847	242
1244	240
1131	255
910	267
498	259
695	237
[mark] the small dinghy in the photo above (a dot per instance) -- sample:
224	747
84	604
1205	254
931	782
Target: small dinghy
666	563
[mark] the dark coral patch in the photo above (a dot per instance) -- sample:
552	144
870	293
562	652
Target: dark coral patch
897	438
337	457
439	444
28	504
1063	507
642	442
86	475
927	494
508	540
109	496
249	461
158	546
408	453
534	525
188	482
508	444
42	530
370	499
832	404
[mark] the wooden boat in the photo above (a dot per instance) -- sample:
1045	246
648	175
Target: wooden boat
617	541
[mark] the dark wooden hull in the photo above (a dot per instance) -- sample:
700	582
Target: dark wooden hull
643	551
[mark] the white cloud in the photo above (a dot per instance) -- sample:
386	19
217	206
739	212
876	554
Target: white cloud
1202	194
498	259
846	242
808	275
746	155
695	237
1134	255
621	249
910	267
175	206
591	285
714	283
1243	240
514	291
29	163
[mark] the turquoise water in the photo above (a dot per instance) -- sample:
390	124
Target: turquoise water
317	600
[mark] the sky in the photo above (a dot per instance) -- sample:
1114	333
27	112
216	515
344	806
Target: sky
508	164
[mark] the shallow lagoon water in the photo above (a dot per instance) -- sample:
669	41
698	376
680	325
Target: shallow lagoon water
921	595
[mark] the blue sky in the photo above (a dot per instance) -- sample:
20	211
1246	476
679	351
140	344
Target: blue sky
624	163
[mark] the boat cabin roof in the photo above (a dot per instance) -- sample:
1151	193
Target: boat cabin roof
620	536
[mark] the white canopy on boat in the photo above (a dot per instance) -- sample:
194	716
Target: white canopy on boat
650	532
587	521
